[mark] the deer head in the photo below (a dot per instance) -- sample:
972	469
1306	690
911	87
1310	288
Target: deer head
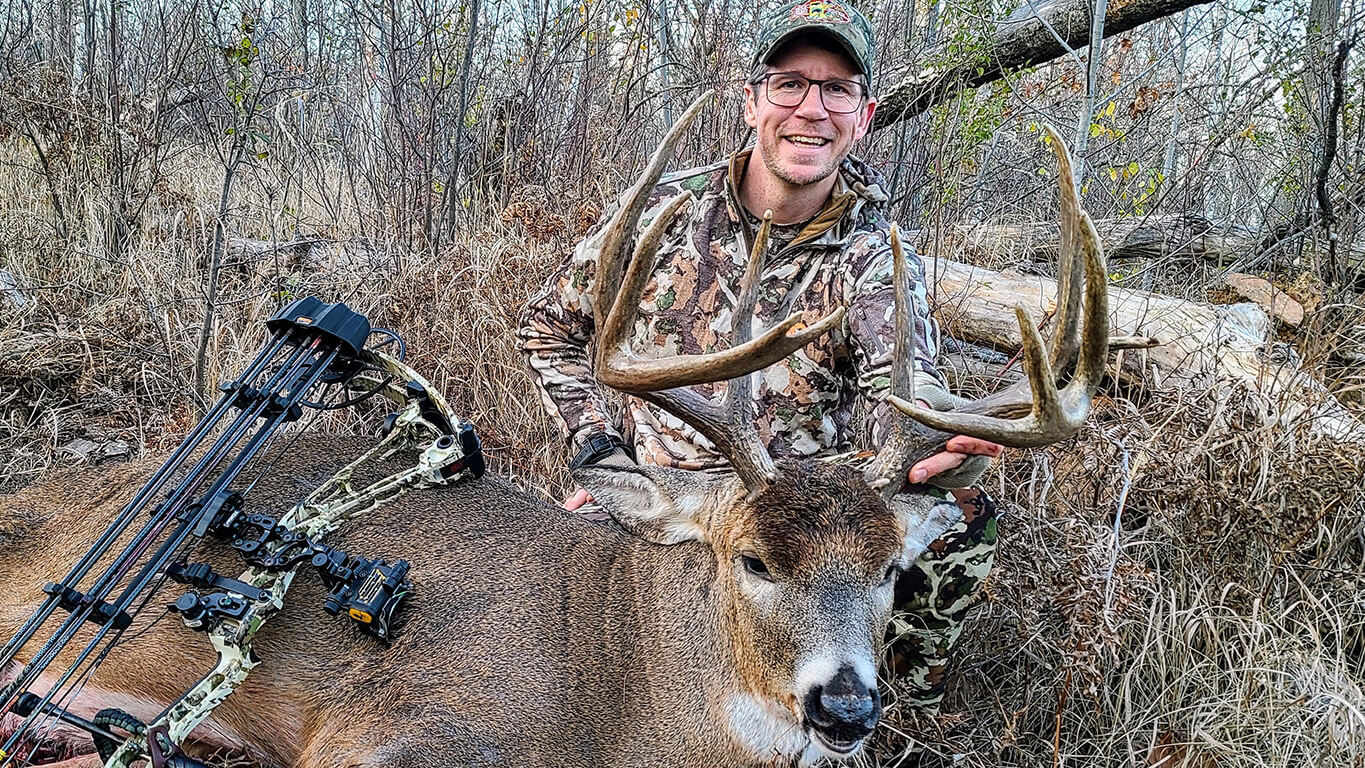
806	553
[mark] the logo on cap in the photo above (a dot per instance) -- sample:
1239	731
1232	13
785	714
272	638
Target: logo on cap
820	11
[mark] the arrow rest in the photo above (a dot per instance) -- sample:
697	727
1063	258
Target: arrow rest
314	359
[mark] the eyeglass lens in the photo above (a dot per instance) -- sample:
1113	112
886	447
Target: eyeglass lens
788	90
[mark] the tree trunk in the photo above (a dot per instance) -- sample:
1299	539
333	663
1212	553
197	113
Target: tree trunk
118	228
1094	57
65	38
1168	160
1203	346
214	265
1013	46
452	198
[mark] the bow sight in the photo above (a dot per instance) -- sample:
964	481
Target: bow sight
315	360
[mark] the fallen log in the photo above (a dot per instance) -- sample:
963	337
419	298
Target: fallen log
1165	236
1203	345
1176	235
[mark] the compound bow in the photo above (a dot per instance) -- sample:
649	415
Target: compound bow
317	353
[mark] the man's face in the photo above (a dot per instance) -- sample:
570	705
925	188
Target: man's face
804	144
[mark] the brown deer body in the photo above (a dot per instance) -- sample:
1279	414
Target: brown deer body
533	637
738	621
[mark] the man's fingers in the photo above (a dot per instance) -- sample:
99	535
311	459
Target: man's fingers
577	499
939	462
974	446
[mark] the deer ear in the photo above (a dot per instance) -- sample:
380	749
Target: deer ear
923	519
658	504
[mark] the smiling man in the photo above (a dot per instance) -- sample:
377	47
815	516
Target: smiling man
807	100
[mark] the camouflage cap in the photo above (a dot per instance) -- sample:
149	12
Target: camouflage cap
837	19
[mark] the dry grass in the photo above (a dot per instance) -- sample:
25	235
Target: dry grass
1178	586
1170	595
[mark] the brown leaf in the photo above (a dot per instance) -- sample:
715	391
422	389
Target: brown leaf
1146	98
1172	751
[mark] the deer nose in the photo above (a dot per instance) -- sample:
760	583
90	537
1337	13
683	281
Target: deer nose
845	704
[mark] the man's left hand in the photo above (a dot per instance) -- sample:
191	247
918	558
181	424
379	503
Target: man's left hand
955	452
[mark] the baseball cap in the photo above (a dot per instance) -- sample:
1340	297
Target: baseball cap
838	20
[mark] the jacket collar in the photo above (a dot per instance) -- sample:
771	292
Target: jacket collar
856	186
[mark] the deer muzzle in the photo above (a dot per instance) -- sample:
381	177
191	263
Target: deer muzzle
842	712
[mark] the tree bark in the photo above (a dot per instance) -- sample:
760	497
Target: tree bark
215	263
452	198
1168	160
1329	154
1014	45
1094	57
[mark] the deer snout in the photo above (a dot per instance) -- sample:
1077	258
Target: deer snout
843	711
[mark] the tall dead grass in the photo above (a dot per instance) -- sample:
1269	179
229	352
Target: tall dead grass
1178	586
1169	592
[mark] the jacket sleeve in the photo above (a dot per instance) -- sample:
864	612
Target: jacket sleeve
871	298
555	328
872	327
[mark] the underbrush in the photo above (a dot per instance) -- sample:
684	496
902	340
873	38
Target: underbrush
1177	586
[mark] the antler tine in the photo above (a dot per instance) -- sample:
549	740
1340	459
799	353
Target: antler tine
737	434
1051	415
626	305
730	427
1070	268
663	381
615	312
1095	341
622	226
908	439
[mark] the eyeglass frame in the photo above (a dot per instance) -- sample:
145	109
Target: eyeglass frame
864	94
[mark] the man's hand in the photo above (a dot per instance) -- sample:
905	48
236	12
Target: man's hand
957	451
578	498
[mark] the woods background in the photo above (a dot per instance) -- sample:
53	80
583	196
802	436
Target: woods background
1177	586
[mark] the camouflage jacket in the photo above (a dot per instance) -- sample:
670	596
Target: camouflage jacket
826	398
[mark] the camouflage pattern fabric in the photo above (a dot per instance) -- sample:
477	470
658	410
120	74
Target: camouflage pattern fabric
841	258
933	596
844	22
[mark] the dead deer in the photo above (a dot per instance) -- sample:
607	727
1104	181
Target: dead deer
737	621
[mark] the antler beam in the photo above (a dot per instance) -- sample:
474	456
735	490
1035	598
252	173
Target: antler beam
1033	412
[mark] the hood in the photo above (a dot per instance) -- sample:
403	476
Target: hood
864	181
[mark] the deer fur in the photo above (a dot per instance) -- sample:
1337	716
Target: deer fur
533	638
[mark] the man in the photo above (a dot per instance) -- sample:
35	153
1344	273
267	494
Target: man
807	100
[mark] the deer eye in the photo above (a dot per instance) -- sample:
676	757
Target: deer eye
890	575
755	566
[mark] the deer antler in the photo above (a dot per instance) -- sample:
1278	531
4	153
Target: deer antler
1033	412
663	381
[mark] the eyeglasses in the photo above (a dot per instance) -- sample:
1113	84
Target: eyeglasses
788	89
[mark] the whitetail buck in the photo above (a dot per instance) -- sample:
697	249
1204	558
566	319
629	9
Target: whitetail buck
738	623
